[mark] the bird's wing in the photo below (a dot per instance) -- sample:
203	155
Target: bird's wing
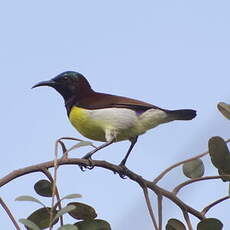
101	100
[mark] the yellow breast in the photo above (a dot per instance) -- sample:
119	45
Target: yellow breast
112	123
86	125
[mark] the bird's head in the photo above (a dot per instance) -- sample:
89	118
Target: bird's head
68	84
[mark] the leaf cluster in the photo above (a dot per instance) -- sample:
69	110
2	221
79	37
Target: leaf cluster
47	217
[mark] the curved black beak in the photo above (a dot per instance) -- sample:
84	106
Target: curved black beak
50	83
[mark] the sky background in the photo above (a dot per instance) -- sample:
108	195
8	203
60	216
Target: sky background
173	54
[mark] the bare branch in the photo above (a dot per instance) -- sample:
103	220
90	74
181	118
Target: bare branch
187	219
9	214
49	176
54	178
65	151
180	186
148	202
206	209
162	174
159	201
62	145
103	164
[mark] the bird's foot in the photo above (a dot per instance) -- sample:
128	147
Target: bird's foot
91	164
123	173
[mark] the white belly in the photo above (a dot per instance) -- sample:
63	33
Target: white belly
122	124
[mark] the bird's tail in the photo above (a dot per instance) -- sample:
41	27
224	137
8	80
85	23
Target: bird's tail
182	114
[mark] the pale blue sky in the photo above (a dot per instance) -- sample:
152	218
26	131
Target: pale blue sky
172	53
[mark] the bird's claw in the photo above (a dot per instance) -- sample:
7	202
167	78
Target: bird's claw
124	169
83	168
90	166
122	176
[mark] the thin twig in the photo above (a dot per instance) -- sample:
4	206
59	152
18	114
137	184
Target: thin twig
206	209
54	181
75	139
163	173
49	176
64	150
65	154
178	187
63	146
159	202
187	219
9	214
149	206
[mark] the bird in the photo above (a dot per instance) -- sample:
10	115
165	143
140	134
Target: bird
106	117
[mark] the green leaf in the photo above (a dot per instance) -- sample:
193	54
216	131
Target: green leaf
29	198
194	169
210	223
44	188
219	153
64	210
224	178
41	217
174	224
72	196
29	224
81	144
93	225
224	109
82	211
68	227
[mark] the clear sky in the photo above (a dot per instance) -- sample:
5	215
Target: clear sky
172	53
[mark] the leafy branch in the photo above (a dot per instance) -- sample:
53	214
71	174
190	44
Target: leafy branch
192	168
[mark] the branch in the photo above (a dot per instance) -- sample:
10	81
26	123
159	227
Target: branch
9	214
206	209
64	150
149	206
180	186
54	189
162	174
49	176
159	201
103	164
187	219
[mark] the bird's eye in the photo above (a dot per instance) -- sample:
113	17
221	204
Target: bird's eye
65	78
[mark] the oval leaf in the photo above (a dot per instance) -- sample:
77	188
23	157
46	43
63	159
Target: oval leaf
224	109
82	211
29	224
72	196
224	178
219	153
29	198
174	224
210	223
193	169
64	210
81	144
93	225
41	217
43	188
68	227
